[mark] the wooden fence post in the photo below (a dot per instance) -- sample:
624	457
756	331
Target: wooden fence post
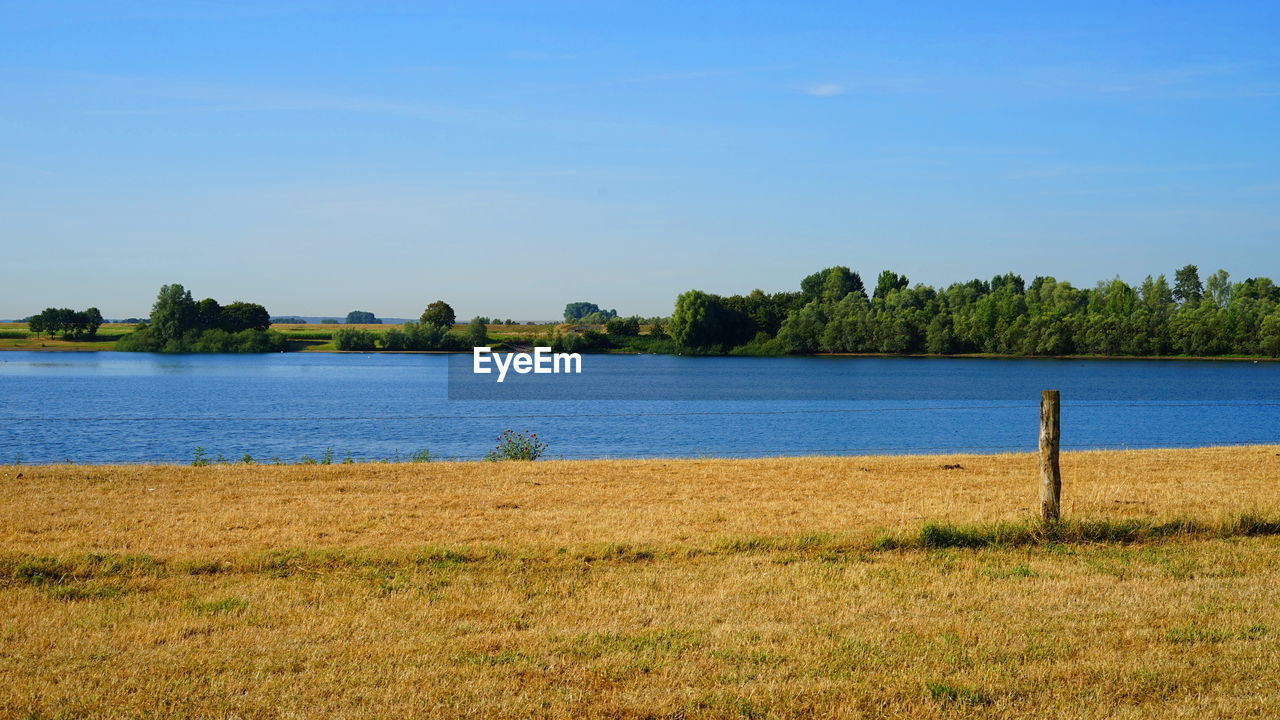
1050	474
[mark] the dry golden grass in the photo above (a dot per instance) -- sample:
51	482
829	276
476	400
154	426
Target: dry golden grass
691	588
170	510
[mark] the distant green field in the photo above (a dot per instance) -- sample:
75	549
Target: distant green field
16	336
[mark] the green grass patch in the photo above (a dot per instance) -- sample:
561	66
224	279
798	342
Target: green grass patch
225	606
76	593
1125	531
956	694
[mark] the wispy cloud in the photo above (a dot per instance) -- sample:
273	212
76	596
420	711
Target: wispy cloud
826	89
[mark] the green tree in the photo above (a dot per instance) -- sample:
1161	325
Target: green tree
208	314
694	320
173	314
802	331
438	314
37	324
888	282
939	338
477	333
1257	288
49	322
362	317
831	284
628	326
1218	288
91	321
575	311
240	316
1269	336
1156	295
1186	285
68	321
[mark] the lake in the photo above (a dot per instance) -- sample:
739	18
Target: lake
126	407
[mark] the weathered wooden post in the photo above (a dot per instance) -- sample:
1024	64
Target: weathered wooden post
1050	474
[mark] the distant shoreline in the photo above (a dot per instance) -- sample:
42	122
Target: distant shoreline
78	347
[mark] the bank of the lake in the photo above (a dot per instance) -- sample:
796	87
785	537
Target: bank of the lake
320	341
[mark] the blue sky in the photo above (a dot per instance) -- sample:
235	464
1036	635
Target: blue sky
511	157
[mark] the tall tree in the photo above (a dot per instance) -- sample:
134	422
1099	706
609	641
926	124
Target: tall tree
1218	287
1186	285
173	313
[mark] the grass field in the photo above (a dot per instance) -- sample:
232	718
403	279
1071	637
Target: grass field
15	336
815	587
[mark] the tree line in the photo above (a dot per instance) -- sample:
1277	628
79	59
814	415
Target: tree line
834	313
67	322
433	331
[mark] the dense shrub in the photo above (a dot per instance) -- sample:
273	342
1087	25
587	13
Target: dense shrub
208	341
355	339
627	326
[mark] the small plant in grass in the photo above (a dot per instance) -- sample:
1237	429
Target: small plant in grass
327	459
423	455
247	459
201	457
517	446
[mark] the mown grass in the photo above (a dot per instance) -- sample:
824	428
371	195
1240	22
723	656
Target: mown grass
786	588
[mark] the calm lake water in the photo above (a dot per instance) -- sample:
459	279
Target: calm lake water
125	407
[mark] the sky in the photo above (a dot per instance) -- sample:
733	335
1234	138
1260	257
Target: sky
320	157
